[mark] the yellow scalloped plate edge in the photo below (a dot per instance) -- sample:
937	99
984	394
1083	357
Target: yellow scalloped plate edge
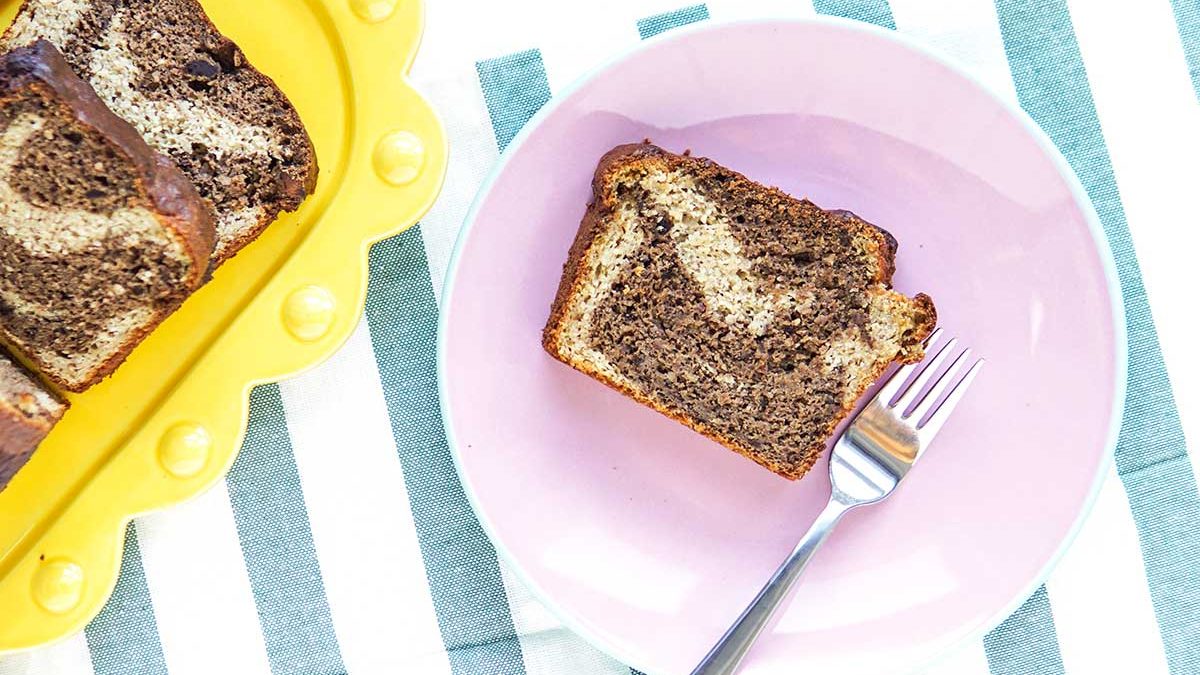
169	424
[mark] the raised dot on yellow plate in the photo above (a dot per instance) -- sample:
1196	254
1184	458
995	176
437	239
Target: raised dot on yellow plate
373	11
308	312
399	157
58	585
184	449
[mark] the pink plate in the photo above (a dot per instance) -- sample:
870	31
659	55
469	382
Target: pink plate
648	539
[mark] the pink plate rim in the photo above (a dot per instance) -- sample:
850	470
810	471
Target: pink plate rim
1095	228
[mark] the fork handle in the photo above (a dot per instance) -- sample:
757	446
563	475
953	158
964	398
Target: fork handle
733	646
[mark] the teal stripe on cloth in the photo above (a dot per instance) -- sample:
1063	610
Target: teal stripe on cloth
1151	455
277	544
123	638
463	572
661	23
514	88
878	12
1026	643
1187	19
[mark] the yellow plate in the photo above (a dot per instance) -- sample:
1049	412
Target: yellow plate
168	424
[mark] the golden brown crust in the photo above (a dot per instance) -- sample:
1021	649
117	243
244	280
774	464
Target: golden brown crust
603	202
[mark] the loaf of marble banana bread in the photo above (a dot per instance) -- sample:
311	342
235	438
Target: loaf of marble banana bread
755	318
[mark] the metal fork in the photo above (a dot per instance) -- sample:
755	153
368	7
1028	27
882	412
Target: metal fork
869	460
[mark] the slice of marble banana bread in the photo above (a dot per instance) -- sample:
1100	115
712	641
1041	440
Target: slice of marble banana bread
27	412
165	68
755	318
100	237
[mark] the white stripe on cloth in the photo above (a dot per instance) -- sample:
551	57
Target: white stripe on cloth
474	154
69	657
547	647
460	32
360	516
571	53
199	588
1101	602
1151	121
643	9
722	10
968	659
966	30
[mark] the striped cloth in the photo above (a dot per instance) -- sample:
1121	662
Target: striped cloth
342	541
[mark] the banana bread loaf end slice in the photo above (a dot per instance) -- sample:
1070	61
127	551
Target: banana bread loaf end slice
100	237
165	68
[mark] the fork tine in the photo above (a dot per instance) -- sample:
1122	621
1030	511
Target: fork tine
928	369
943	383
939	416
892	387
